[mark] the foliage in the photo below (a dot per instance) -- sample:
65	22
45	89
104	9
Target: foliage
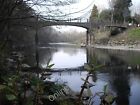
49	65
18	18
121	10
67	102
93	65
107	98
106	15
136	18
13	14
20	87
94	13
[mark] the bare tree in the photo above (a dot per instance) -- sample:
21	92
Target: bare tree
111	5
9	10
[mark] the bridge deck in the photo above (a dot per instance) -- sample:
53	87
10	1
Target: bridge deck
118	26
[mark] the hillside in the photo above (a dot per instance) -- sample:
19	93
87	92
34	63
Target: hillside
129	37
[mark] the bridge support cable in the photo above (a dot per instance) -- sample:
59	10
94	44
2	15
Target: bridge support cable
68	14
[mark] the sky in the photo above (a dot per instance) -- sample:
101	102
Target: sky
101	4
86	7
104	3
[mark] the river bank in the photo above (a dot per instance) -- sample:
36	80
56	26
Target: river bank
127	40
118	47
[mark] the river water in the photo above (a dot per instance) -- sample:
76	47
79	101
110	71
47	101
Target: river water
121	72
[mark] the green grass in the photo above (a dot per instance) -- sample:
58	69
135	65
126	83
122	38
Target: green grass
134	33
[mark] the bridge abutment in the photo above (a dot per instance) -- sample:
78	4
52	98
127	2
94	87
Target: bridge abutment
89	37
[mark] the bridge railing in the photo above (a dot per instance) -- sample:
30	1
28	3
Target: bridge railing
69	20
77	20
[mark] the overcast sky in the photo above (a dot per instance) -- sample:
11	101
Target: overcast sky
87	5
102	4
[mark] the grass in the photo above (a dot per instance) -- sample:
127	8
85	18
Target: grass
134	33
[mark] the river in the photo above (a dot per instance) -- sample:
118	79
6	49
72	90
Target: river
121	72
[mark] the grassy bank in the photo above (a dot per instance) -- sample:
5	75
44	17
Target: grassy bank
130	36
134	33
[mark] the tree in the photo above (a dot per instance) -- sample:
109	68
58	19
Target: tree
94	13
111	5
136	18
105	15
14	13
121	10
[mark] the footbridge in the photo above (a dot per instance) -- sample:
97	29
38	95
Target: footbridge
78	23
84	24
117	26
70	22
41	22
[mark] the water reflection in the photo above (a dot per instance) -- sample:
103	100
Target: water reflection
117	65
68	56
63	57
115	57
124	84
121	71
135	86
119	81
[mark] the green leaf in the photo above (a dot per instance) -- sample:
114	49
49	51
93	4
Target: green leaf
11	97
2	87
89	91
84	80
99	66
49	62
10	84
109	98
87	67
105	89
34	81
29	101
50	66
9	89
